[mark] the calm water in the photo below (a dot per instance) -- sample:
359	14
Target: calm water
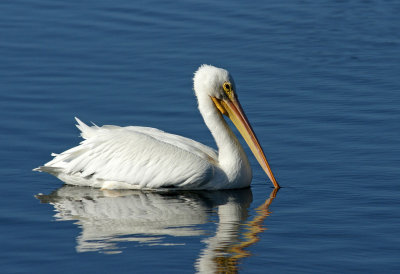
319	80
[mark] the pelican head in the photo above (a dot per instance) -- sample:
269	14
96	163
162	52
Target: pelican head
217	85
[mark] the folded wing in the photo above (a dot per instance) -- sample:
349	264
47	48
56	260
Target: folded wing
138	156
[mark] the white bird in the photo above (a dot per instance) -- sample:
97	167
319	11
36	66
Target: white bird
113	157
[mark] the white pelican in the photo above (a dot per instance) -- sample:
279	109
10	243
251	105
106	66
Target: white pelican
113	157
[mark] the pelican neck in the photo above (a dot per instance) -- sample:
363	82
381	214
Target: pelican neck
231	157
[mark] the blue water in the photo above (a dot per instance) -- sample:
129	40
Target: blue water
318	80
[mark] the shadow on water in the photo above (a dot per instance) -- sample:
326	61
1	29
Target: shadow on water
110	217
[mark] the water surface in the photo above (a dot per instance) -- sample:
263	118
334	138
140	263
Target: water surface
319	82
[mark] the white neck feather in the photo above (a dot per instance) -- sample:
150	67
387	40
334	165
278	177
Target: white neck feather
231	157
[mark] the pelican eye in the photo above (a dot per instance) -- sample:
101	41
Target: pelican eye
227	88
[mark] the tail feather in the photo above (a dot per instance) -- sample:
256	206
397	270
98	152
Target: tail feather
49	169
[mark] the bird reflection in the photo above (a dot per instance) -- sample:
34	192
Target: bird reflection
108	218
233	235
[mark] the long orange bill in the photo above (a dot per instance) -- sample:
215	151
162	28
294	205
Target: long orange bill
234	111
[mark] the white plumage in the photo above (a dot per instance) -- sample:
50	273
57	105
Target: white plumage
112	157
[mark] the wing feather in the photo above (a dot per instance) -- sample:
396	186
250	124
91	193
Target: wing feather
139	156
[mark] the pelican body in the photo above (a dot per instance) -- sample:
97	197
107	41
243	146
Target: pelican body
112	157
